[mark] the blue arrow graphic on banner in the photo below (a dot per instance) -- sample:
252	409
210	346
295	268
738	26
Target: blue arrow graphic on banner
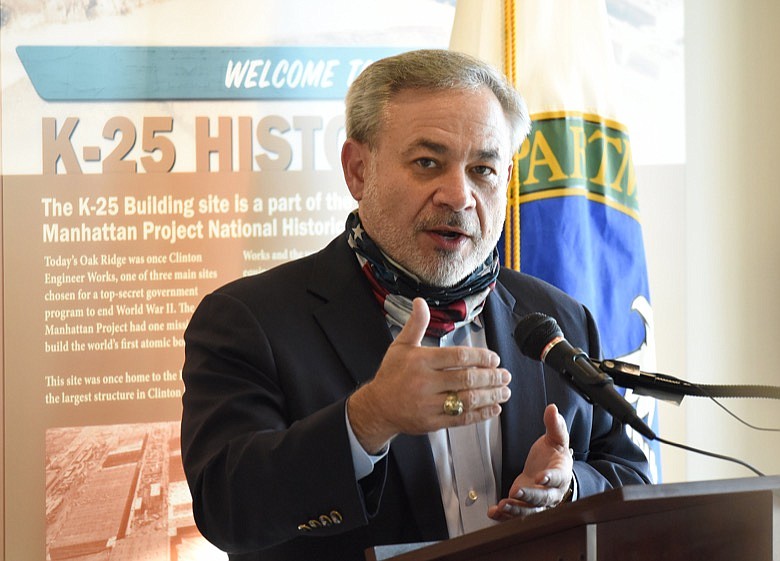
89	73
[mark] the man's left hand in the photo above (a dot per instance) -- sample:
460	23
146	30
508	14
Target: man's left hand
547	473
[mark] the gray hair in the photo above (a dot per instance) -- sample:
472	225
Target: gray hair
430	69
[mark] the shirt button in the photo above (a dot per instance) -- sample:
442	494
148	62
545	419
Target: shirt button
472	497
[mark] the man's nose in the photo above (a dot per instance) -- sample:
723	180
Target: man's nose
455	191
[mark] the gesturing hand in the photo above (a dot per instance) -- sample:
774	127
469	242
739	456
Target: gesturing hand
546	475
408	392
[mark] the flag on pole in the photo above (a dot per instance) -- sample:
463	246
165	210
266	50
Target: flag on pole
572	214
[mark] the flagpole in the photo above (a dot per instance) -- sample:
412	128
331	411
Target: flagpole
512	220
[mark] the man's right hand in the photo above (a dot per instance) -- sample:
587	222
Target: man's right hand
408	392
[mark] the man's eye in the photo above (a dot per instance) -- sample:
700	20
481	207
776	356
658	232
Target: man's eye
483	170
426	163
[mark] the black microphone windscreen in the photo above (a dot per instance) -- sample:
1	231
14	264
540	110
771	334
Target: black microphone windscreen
534	332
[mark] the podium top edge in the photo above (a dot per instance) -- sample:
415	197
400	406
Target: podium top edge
697	488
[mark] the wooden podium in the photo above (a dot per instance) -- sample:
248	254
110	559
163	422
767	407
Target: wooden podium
723	520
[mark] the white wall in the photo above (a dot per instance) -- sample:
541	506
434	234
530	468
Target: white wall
662	200
713	238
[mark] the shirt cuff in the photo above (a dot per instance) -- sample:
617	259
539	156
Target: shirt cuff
362	461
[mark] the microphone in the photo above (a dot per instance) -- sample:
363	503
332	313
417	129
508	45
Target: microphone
540	338
659	386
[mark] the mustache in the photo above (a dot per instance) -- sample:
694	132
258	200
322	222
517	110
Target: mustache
457	220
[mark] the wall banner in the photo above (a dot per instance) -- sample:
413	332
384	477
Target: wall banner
142	167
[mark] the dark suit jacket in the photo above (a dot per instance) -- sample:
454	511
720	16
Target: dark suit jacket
270	361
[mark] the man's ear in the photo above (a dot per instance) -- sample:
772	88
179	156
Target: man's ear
354	161
509	172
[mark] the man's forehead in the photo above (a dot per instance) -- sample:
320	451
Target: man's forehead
445	109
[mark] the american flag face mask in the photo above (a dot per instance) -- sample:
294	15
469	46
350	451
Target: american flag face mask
395	288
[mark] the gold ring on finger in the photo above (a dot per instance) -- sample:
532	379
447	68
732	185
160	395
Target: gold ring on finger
453	405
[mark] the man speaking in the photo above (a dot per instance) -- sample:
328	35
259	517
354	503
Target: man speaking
372	393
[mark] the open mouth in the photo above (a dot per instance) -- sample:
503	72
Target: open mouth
448	234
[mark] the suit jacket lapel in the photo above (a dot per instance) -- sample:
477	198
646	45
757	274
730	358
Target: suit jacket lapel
349	316
522	418
356	327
